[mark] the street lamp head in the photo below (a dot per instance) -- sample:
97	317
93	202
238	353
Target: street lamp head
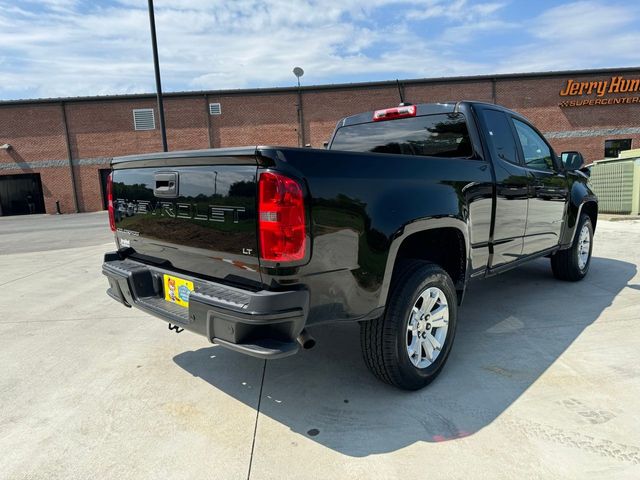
298	72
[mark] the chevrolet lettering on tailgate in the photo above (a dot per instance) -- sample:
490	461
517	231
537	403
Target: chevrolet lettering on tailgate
212	213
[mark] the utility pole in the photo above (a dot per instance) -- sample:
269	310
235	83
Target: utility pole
298	72
156	65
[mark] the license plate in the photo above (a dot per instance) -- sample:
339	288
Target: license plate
177	290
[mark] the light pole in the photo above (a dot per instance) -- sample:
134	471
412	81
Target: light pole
299	72
156	65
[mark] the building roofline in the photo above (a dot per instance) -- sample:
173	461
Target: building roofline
313	88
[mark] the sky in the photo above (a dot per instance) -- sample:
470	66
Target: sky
64	48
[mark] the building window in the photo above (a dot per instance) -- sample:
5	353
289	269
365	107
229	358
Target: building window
215	109
613	147
144	119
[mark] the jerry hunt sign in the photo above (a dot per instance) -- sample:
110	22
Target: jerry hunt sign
599	90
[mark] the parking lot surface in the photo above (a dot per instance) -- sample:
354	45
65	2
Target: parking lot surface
543	380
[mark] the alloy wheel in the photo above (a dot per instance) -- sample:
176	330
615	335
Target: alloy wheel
427	327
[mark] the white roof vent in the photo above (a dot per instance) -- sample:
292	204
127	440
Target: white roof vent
215	109
144	119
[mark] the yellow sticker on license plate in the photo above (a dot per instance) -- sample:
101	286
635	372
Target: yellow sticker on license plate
177	290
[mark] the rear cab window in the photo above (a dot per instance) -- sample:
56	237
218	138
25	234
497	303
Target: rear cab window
438	135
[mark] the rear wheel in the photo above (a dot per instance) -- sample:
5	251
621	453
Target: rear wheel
408	346
573	263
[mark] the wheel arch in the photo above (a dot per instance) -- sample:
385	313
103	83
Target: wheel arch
590	207
582	199
443	241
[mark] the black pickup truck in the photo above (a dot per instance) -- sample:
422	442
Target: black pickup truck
251	246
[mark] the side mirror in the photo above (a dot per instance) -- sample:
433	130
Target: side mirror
572	160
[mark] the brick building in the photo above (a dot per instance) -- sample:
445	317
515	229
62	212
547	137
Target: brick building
58	150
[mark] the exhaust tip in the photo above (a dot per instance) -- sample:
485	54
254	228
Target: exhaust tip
305	340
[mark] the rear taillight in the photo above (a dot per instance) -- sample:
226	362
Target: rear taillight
281	220
112	216
395	112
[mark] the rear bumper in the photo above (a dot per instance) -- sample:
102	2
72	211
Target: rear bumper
263	324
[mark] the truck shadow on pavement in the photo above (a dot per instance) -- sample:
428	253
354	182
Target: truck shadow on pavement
511	329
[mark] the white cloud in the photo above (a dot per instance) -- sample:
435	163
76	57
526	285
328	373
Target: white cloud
470	31
68	47
455	10
584	34
582	20
464	20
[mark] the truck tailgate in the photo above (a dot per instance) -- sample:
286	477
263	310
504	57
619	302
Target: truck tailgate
194	215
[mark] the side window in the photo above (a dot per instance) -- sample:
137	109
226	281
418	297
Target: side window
536	152
501	137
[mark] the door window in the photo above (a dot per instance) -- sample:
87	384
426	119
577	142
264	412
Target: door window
501	136
536	152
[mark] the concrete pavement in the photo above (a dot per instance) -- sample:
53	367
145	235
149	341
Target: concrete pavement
36	233
543	380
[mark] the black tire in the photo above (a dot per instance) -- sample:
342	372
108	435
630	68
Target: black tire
565	264
384	340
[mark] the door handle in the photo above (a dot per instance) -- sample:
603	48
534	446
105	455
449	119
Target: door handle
166	184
